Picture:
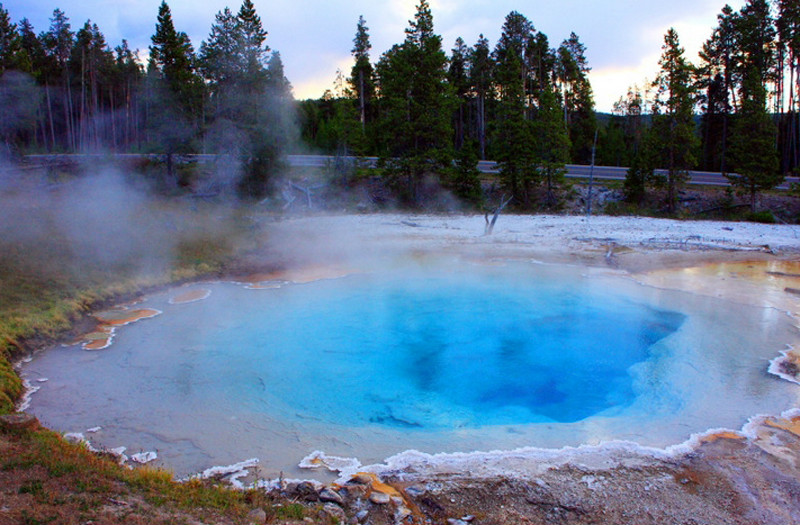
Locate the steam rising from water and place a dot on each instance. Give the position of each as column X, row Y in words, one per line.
column 207, row 383
column 101, row 221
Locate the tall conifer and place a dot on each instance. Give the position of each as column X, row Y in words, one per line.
column 673, row 116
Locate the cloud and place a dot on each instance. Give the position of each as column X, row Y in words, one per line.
column 314, row 36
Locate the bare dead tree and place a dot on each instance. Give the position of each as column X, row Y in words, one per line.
column 496, row 213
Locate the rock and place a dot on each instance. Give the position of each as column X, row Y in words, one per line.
column 379, row 498
column 415, row 491
column 401, row 513
column 257, row 516
column 361, row 478
column 334, row 511
column 362, row 515
column 144, row 457
column 355, row 491
column 18, row 422
column 306, row 491
column 330, row 495
column 453, row 521
column 76, row 438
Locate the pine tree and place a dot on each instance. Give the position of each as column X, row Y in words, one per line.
column 481, row 69
column 518, row 33
column 172, row 55
column 636, row 150
column 512, row 137
column 552, row 145
column 717, row 76
column 276, row 77
column 756, row 34
column 416, row 106
column 789, row 31
column 642, row 168
column 91, row 62
column 361, row 76
column 175, row 91
column 572, row 72
column 217, row 59
column 266, row 119
column 58, row 42
column 9, row 42
column 753, row 149
column 128, row 80
column 253, row 53
column 466, row 179
column 513, row 134
column 31, row 57
column 222, row 63
column 540, row 62
column 673, row 116
column 458, row 78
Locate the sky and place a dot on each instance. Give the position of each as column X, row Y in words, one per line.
column 314, row 37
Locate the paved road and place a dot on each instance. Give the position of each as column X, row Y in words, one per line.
column 485, row 166
column 574, row 171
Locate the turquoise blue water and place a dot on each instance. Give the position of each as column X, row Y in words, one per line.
column 457, row 357
column 437, row 351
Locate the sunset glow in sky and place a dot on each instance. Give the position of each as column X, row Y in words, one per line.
column 623, row 37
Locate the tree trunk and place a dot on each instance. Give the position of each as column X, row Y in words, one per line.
column 82, row 131
column 50, row 115
column 361, row 101
column 482, row 125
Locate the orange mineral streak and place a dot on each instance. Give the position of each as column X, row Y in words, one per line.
column 762, row 283
column 99, row 339
column 793, row 357
column 191, row 296
column 767, row 284
column 397, row 494
column 790, row 425
column 123, row 317
column 303, row 275
column 711, row 438
column 379, row 486
column 109, row 320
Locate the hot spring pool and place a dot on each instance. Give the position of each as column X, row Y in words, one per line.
column 457, row 357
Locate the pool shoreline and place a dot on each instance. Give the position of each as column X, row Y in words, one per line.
column 597, row 251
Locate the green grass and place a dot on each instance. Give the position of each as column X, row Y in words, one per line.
column 34, row 487
column 76, row 474
column 290, row 511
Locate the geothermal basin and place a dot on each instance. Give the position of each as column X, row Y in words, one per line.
column 438, row 353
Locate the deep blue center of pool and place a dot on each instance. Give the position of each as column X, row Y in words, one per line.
column 436, row 351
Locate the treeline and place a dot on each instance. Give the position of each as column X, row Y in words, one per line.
column 746, row 89
column 68, row 91
column 429, row 115
column 530, row 107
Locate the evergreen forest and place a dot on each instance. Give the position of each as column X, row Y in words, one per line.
column 426, row 110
